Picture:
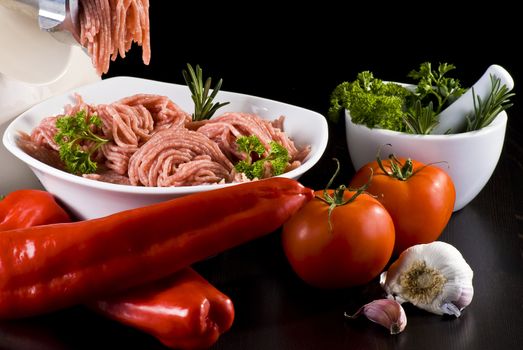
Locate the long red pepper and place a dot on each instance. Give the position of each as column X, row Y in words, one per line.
column 26, row 208
column 183, row 311
column 45, row 268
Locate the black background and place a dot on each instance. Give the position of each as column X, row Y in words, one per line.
column 298, row 53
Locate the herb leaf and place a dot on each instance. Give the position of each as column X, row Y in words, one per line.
column 421, row 120
column 434, row 86
column 250, row 144
column 204, row 108
column 371, row 102
column 486, row 111
column 253, row 166
column 77, row 142
column 278, row 157
column 377, row 104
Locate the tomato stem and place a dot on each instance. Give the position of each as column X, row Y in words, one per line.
column 398, row 170
column 337, row 199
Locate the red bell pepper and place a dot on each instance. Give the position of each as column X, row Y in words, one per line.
column 183, row 311
column 45, row 268
column 26, row 208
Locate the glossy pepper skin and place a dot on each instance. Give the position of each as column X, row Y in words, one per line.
column 45, row 268
column 26, row 208
column 183, row 311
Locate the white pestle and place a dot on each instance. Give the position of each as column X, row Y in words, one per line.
column 454, row 117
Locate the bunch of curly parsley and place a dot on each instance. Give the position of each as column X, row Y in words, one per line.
column 78, row 142
column 371, row 102
column 253, row 165
column 376, row 104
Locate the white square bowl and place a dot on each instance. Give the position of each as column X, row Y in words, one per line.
column 90, row 199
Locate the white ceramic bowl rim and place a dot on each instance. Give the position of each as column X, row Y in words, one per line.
column 9, row 140
column 496, row 123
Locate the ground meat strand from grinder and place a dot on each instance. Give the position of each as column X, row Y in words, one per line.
column 200, row 171
column 167, row 114
column 109, row 176
column 44, row 133
column 132, row 121
column 131, row 124
column 124, row 125
column 159, row 161
column 109, row 27
column 44, row 154
column 79, row 105
column 117, row 158
column 127, row 123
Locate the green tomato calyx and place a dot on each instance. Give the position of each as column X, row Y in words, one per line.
column 337, row 198
column 398, row 170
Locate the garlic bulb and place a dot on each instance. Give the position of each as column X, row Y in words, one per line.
column 433, row 277
column 386, row 312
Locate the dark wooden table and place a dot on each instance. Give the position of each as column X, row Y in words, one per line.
column 274, row 309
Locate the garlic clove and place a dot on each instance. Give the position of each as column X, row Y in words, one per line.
column 386, row 312
column 434, row 277
column 451, row 309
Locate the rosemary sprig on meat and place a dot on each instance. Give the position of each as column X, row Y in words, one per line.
column 204, row 107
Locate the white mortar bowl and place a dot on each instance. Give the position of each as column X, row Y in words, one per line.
column 469, row 158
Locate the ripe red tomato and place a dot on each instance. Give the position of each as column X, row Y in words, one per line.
column 420, row 205
column 352, row 251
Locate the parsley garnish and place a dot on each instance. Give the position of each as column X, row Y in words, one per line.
column 434, row 86
column 78, row 142
column 253, row 165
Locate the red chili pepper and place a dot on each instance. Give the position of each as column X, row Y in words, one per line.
column 45, row 268
column 183, row 311
column 26, row 208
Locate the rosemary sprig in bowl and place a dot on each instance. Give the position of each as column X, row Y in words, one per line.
column 204, row 107
column 485, row 111
column 419, row 119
